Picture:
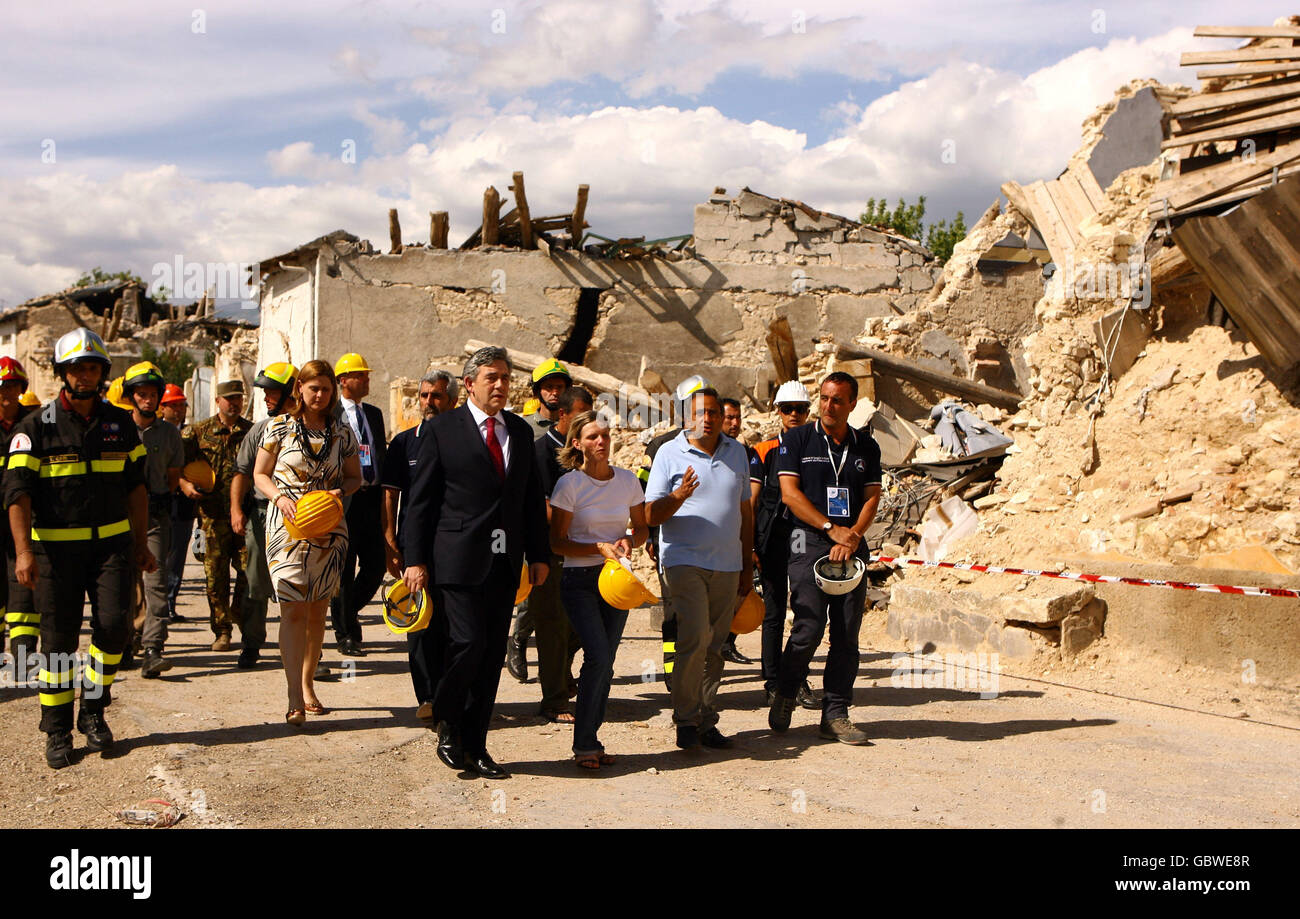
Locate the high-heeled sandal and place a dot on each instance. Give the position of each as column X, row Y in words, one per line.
column 296, row 716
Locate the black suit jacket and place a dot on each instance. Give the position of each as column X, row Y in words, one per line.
column 461, row 514
column 379, row 449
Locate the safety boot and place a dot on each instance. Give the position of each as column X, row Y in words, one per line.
column 92, row 724
column 58, row 749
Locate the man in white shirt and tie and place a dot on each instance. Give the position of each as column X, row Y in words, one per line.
column 363, row 567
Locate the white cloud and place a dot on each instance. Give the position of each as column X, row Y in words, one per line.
column 647, row 167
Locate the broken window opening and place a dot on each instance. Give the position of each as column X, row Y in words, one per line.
column 584, row 324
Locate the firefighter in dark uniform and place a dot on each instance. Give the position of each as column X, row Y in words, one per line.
column 830, row 482
column 78, row 509
column 16, row 600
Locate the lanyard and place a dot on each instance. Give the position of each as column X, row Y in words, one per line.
column 844, row 457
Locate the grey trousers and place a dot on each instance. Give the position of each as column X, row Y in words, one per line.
column 703, row 603
column 252, row 632
column 156, row 610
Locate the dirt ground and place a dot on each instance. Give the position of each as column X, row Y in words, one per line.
column 1108, row 741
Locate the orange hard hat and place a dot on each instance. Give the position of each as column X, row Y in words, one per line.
column 172, row 393
column 315, row 515
column 199, row 473
column 525, row 586
column 749, row 614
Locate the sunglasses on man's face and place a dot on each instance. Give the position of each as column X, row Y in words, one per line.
column 787, row 409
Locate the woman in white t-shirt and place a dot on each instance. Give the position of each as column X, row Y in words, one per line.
column 591, row 509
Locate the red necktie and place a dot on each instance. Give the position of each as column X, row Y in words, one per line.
column 494, row 447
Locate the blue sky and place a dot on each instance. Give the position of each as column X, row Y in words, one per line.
column 218, row 134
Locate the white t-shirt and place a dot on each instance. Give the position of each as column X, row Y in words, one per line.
column 600, row 509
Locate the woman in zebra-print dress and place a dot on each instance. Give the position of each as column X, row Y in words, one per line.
column 305, row 449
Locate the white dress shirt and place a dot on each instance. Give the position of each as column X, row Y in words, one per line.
column 503, row 437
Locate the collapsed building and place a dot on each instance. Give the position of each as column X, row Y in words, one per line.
column 1132, row 326
column 1156, row 344
column 616, row 308
column 121, row 313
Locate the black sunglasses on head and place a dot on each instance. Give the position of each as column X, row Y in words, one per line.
column 788, row 409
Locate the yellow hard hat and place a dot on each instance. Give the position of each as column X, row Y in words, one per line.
column 315, row 515
column 199, row 473
column 749, row 614
column 525, row 586
column 622, row 589
column 531, row 406
column 351, row 363
column 404, row 613
column 29, row 398
column 114, row 396
column 550, row 368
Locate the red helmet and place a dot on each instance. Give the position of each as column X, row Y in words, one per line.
column 11, row 369
column 172, row 393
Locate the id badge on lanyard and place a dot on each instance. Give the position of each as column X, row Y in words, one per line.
column 837, row 497
column 364, row 453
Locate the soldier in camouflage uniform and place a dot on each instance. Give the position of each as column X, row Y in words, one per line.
column 217, row 440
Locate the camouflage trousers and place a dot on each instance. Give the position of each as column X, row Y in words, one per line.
column 223, row 551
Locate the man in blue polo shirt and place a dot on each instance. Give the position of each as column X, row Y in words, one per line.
column 830, row 482
column 698, row 495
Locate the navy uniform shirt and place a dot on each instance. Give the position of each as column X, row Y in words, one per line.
column 399, row 466
column 811, row 455
column 547, row 448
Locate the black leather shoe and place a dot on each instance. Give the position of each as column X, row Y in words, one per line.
column 715, row 739
column 322, row 671
column 248, row 658
column 351, row 648
column 92, row 724
column 486, row 767
column 807, row 698
column 153, row 664
column 729, row 653
column 449, row 750
column 516, row 660
column 688, row 736
column 58, row 749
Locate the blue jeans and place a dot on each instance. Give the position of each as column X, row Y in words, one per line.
column 600, row 628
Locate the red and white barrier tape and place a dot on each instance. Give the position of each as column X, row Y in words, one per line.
column 1100, row 578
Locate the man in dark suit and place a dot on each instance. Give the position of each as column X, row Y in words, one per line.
column 477, row 509
column 363, row 566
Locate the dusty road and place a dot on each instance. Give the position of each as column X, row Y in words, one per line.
column 1108, row 742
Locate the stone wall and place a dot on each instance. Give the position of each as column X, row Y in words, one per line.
column 404, row 312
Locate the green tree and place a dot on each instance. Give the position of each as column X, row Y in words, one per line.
column 98, row 275
column 942, row 236
column 908, row 220
column 905, row 219
column 175, row 363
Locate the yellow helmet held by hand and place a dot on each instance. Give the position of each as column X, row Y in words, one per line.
column 404, row 613
column 315, row 515
column 351, row 363
column 620, row 588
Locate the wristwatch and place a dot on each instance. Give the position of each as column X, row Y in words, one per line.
column 826, row 527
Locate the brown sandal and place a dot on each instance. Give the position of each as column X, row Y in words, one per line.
column 608, row 759
column 296, row 716
column 559, row 717
column 315, row 708
column 587, row 760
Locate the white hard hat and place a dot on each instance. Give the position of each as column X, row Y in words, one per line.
column 691, row 384
column 791, row 392
column 835, row 578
